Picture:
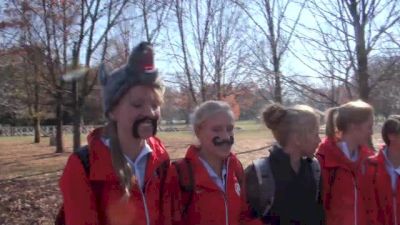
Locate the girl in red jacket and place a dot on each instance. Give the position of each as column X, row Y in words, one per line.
column 205, row 187
column 382, row 177
column 348, row 131
column 119, row 180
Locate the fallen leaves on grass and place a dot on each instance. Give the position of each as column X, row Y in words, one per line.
column 33, row 200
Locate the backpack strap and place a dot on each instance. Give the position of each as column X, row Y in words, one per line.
column 83, row 155
column 266, row 184
column 162, row 174
column 186, row 181
column 375, row 185
column 316, row 170
column 331, row 181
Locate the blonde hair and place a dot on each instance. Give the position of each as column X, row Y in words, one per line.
column 119, row 162
column 283, row 121
column 207, row 109
column 159, row 89
column 390, row 126
column 339, row 118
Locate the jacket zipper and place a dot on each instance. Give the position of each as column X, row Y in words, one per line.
column 225, row 197
column 395, row 208
column 226, row 210
column 146, row 210
column 355, row 200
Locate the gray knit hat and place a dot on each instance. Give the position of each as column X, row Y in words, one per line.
column 139, row 70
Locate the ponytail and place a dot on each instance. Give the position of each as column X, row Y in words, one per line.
column 330, row 129
column 120, row 164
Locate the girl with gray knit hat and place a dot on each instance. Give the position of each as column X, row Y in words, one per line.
column 118, row 178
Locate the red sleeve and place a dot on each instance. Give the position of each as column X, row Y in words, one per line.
column 172, row 198
column 79, row 200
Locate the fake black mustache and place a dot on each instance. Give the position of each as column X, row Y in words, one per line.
column 217, row 141
column 136, row 124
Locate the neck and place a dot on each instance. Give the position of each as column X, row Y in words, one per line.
column 394, row 155
column 215, row 162
column 294, row 156
column 130, row 146
column 351, row 144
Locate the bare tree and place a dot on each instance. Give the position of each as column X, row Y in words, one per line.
column 226, row 52
column 154, row 14
column 93, row 14
column 29, row 57
column 46, row 24
column 385, row 80
column 210, row 50
column 277, row 27
column 196, row 18
column 146, row 19
column 351, row 31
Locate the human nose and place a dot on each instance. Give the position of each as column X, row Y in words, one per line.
column 149, row 111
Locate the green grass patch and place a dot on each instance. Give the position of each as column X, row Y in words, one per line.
column 249, row 125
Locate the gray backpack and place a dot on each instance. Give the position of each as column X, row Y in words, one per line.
column 262, row 201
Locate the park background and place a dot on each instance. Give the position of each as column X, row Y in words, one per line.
column 247, row 52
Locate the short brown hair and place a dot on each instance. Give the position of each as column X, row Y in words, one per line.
column 390, row 126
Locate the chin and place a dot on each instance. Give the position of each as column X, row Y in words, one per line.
column 222, row 157
column 310, row 154
column 224, row 153
column 145, row 135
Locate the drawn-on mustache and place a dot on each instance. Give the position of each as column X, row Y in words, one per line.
column 217, row 141
column 136, row 124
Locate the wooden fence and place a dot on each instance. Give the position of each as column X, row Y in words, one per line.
column 67, row 129
column 44, row 130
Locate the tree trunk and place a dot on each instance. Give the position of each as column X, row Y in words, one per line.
column 59, row 125
column 362, row 75
column 219, row 90
column 278, row 88
column 278, row 85
column 75, row 101
column 77, row 118
column 36, row 122
column 36, row 118
column 361, row 54
column 179, row 16
column 362, row 61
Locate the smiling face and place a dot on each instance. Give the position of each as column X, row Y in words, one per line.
column 215, row 135
column 138, row 112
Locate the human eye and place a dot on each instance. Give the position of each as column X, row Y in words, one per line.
column 217, row 129
column 136, row 104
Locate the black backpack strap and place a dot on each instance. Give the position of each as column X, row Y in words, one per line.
column 186, row 181
column 331, row 181
column 316, row 170
column 83, row 155
column 162, row 174
column 260, row 185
